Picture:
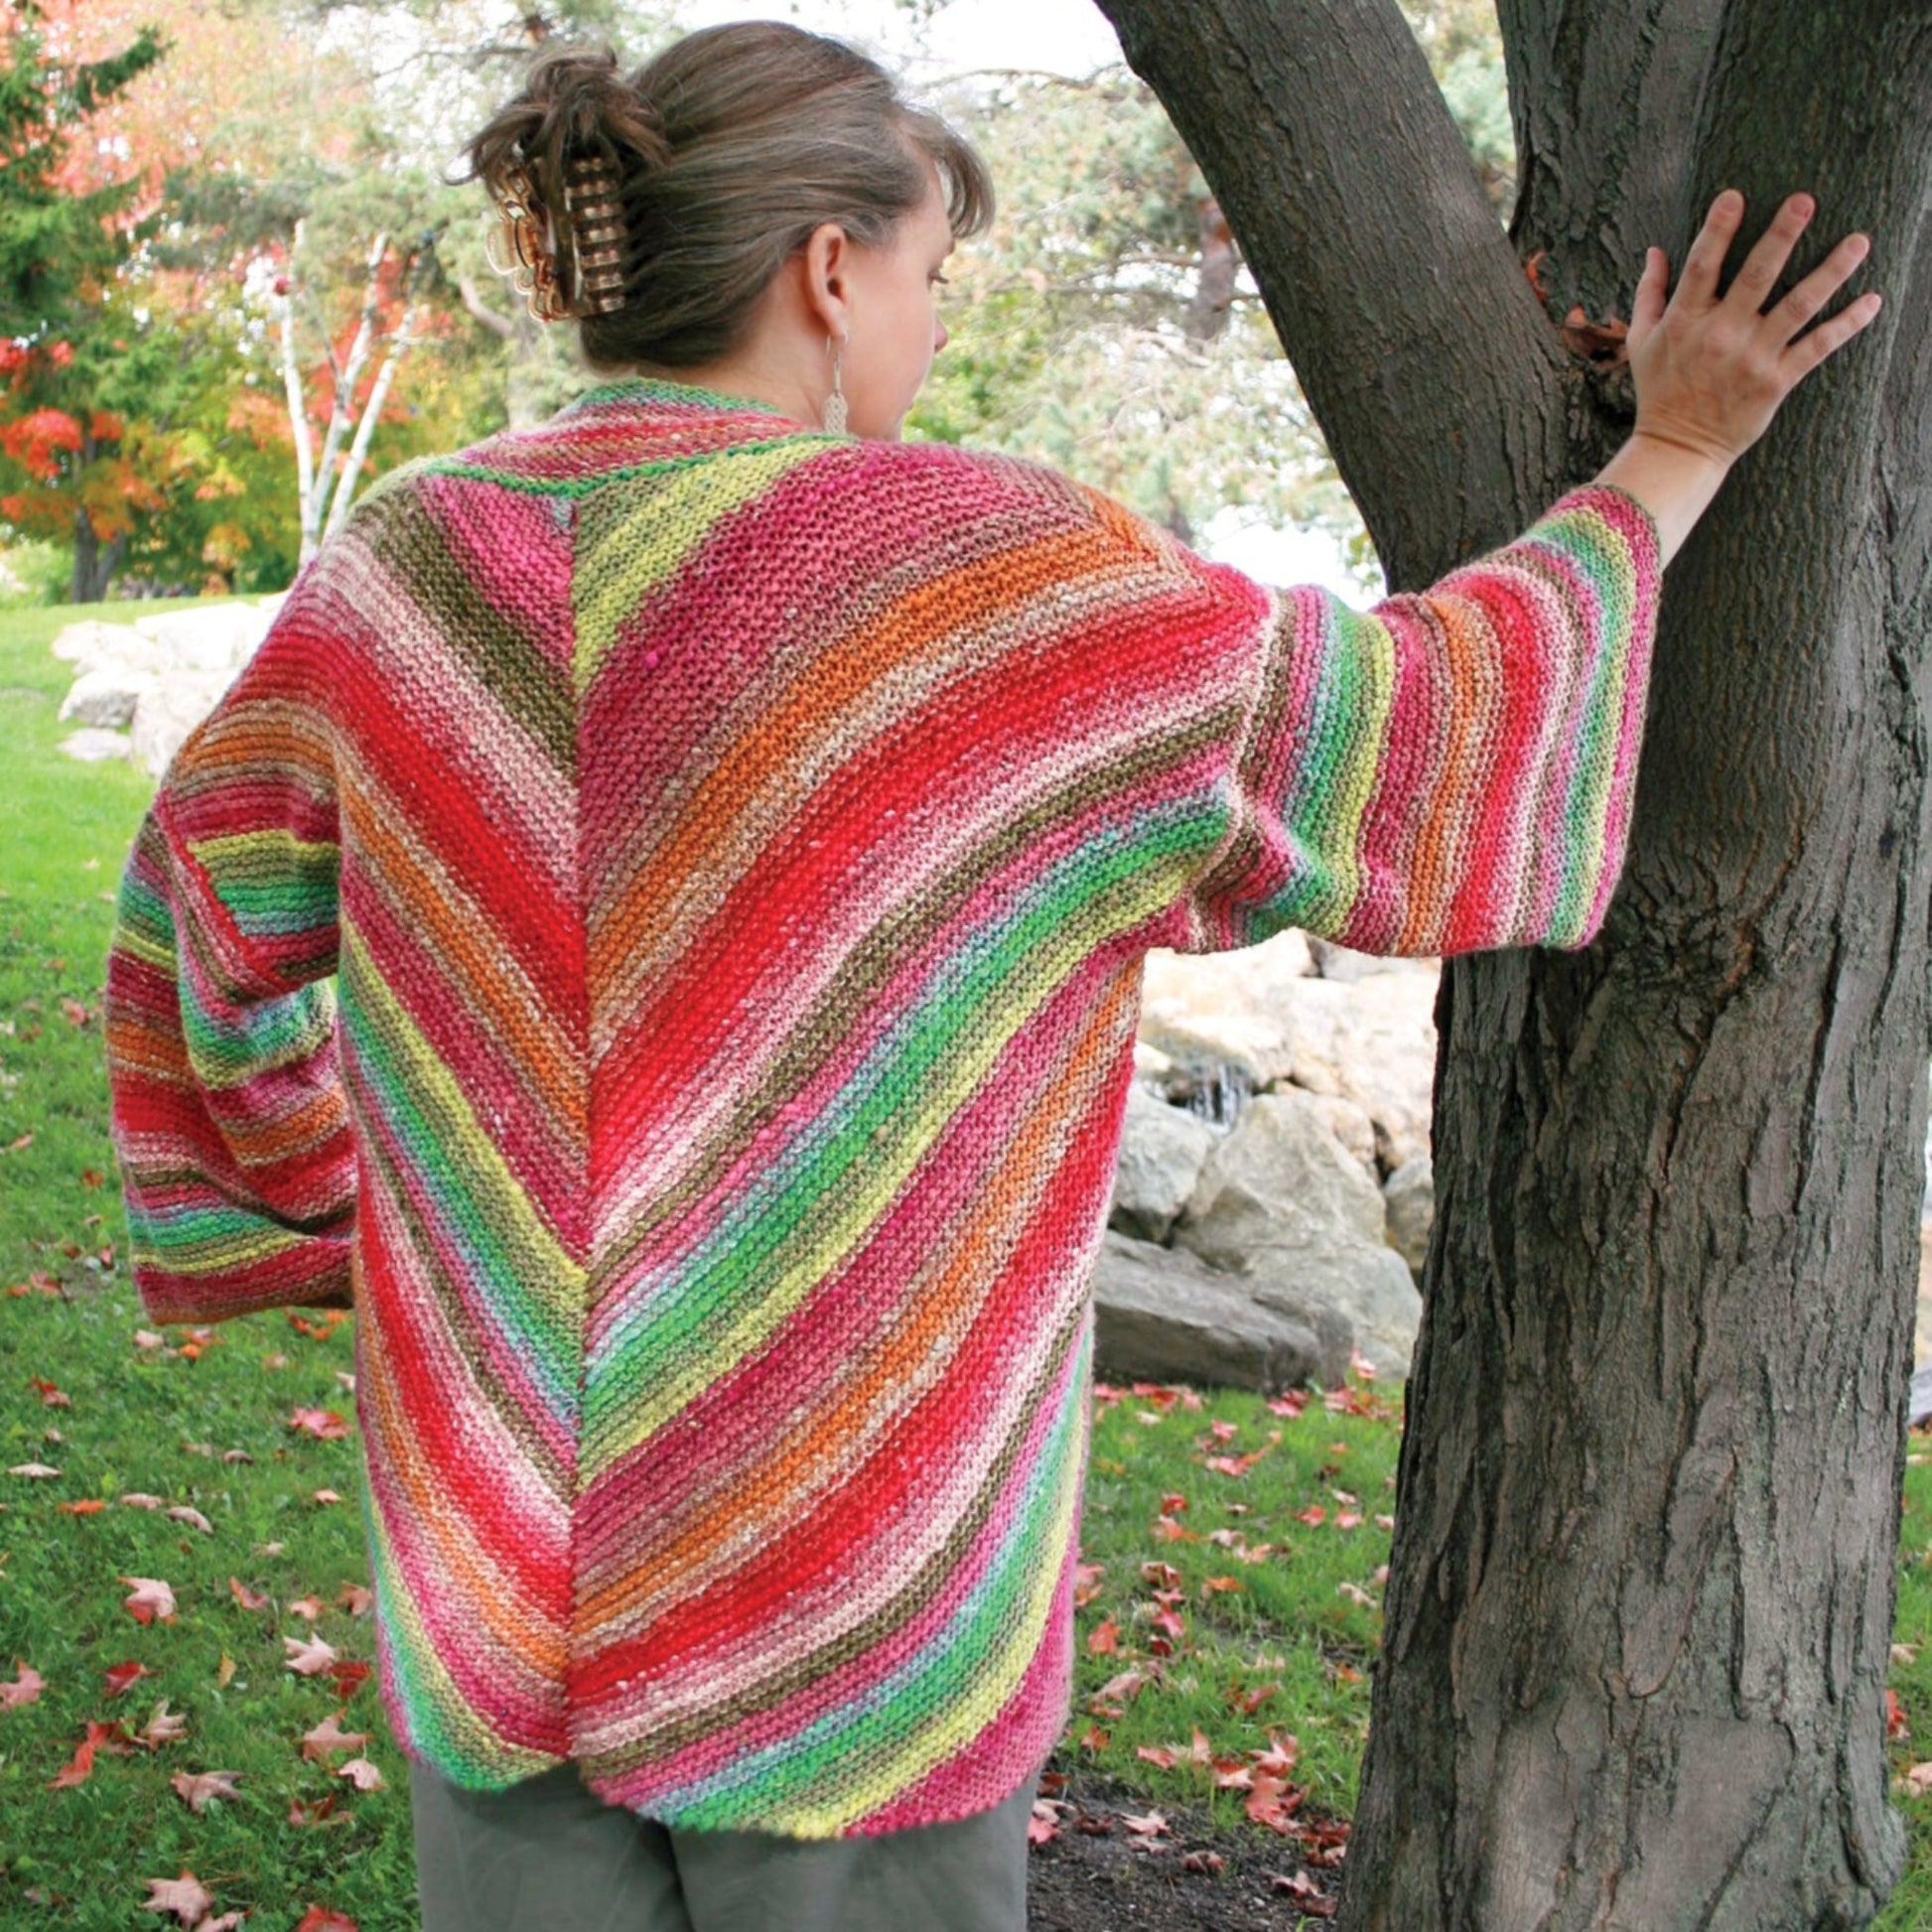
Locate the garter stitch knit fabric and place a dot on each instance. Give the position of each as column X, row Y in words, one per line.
column 657, row 929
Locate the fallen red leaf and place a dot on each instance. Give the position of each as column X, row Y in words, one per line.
column 163, row 1728
column 329, row 1736
column 1306, row 1893
column 326, row 1810
column 99, row 1737
column 310, row 1656
column 350, row 1674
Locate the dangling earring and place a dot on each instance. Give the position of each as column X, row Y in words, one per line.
column 834, row 411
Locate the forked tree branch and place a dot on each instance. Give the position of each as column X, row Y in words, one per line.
column 1330, row 147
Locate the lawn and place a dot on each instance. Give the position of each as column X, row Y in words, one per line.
column 228, row 1726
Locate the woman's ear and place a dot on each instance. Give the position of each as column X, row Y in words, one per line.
column 828, row 257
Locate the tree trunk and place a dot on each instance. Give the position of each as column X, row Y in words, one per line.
column 1639, row 1612
column 94, row 563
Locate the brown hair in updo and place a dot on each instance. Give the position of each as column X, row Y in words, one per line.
column 729, row 148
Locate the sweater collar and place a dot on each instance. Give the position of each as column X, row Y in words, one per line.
column 645, row 389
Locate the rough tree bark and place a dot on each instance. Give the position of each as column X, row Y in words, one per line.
column 1640, row 1606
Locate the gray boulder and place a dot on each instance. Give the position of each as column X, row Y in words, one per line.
column 1369, row 1288
column 105, row 695
column 1284, row 1206
column 1161, row 1315
column 1410, row 1196
column 1352, row 1127
column 208, row 636
column 1225, row 1009
column 1280, row 1175
column 1371, row 1041
column 1159, row 1159
column 93, row 742
column 91, row 644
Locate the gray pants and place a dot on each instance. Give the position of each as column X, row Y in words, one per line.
column 549, row 1856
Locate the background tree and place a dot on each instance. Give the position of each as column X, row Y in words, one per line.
column 1640, row 1606
column 66, row 464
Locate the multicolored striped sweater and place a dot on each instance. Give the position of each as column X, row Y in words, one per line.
column 657, row 930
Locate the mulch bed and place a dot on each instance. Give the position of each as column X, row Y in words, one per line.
column 1097, row 1872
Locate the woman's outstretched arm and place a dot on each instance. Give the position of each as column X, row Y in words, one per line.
column 1454, row 770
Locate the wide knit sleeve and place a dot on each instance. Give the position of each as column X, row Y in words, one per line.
column 226, row 1110
column 1450, row 770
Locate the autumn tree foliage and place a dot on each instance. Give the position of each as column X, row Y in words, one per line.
column 1639, row 1613
column 69, row 466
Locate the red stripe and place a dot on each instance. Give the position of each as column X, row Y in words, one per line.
column 1493, row 866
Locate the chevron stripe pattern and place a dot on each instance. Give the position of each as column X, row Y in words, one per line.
column 656, row 928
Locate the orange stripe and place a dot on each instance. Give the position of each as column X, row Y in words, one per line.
column 1448, row 802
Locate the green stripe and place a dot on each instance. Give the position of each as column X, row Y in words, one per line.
column 206, row 1240
column 442, row 1727
column 623, row 473
column 1607, row 562
column 257, row 1035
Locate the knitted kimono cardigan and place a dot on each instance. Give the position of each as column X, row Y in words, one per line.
column 657, row 929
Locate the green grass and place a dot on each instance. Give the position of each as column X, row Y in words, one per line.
column 1258, row 1652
